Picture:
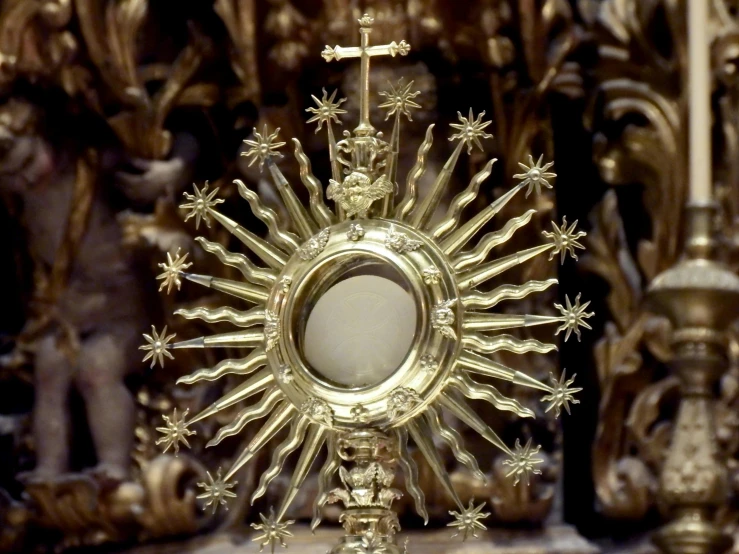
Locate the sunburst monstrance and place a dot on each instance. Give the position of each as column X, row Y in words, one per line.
column 366, row 415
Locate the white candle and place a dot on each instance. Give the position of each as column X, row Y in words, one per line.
column 699, row 107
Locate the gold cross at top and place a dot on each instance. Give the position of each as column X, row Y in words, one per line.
column 365, row 52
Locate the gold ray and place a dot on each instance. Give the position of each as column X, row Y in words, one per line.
column 462, row 411
column 256, row 383
column 483, row 272
column 245, row 291
column 321, row 213
column 329, row 469
column 410, row 471
column 239, row 318
column 454, row 242
column 486, row 300
column 488, row 393
column 491, row 240
column 415, row 174
column 284, row 239
column 280, row 454
column 425, row 211
column 421, row 434
column 271, row 397
column 242, row 366
column 460, row 202
column 477, row 363
column 391, row 169
column 490, row 345
column 335, row 166
column 497, row 322
column 235, row 339
column 252, row 273
column 270, row 255
column 279, row 418
column 454, row 440
column 313, row 443
column 304, row 225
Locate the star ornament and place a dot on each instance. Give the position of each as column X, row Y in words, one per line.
column 573, row 317
column 470, row 130
column 468, row 521
column 263, row 146
column 175, row 432
column 565, row 240
column 172, row 270
column 536, row 175
column 157, row 346
column 400, row 99
column 273, row 532
column 523, row 462
column 216, row 491
column 200, row 204
column 326, row 111
column 561, row 395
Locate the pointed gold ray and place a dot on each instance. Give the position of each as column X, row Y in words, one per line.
column 391, row 169
column 489, row 345
column 284, row 239
column 335, row 166
column 453, row 402
column 321, row 213
column 486, row 300
column 304, row 225
column 488, row 393
column 280, row 454
column 454, row 242
column 329, row 469
column 256, row 383
column 313, row 443
column 243, row 366
column 460, row 202
column 454, row 440
column 488, row 242
column 279, row 418
column 245, row 291
column 236, row 339
column 252, row 273
column 420, row 217
column 239, row 318
column 483, row 272
column 271, row 397
column 421, row 433
column 410, row 471
column 415, row 174
column 269, row 254
column 477, row 363
column 483, row 321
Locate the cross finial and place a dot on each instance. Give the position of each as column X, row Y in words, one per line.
column 365, row 52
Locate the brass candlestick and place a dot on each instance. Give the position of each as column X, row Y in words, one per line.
column 701, row 298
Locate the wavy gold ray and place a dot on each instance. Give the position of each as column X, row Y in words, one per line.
column 477, row 363
column 245, row 291
column 279, row 455
column 256, row 383
column 489, row 345
column 410, row 471
column 284, row 239
column 486, row 300
column 303, row 223
column 239, row 318
column 329, row 469
column 243, row 366
column 460, row 202
column 321, row 213
column 411, row 188
column 279, row 418
column 421, row 433
column 271, row 397
column 454, row 242
column 269, row 254
column 480, row 252
column 454, row 403
column 313, row 443
column 420, row 217
column 454, row 440
column 252, row 273
column 237, row 339
column 488, row 393
column 482, row 321
column 480, row 274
